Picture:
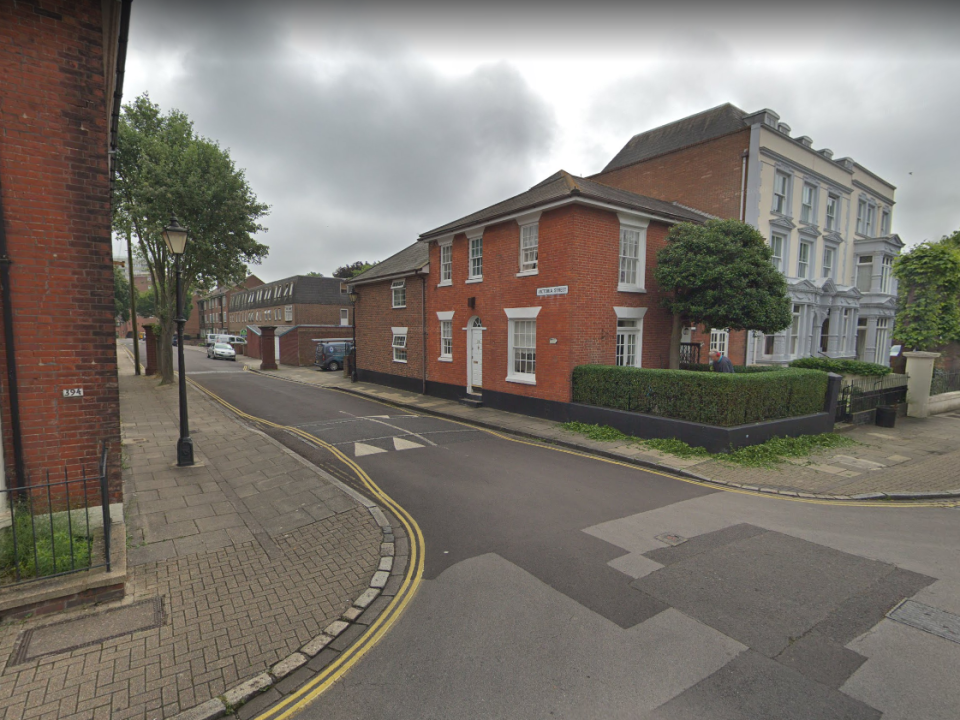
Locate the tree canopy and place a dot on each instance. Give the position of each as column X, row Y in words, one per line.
column 720, row 275
column 928, row 313
column 121, row 293
column 165, row 168
column 345, row 272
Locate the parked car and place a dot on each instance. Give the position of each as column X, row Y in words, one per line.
column 220, row 350
column 330, row 355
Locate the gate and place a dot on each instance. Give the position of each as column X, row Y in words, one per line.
column 864, row 394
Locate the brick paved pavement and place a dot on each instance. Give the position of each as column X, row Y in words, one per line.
column 916, row 456
column 252, row 552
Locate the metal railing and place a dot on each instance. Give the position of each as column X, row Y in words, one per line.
column 870, row 393
column 46, row 529
column 944, row 382
column 689, row 353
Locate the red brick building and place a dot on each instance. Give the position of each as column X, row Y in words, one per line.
column 517, row 295
column 61, row 70
column 211, row 311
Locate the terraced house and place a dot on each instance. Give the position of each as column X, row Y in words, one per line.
column 828, row 221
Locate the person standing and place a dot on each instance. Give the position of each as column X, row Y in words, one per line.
column 720, row 362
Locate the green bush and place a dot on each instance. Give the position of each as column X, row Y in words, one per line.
column 710, row 398
column 742, row 369
column 843, row 367
column 47, row 553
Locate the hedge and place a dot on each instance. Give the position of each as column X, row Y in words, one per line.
column 743, row 369
column 723, row 399
column 842, row 367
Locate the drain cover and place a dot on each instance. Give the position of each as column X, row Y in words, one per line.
column 671, row 538
column 926, row 618
column 88, row 630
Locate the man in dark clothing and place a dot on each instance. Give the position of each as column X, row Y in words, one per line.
column 720, row 362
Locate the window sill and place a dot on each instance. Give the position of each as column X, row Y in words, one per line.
column 630, row 288
column 445, row 359
column 528, row 273
column 399, row 307
column 445, row 283
column 522, row 379
column 474, row 280
column 400, row 361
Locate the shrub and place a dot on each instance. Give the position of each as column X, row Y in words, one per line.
column 843, row 367
column 743, row 369
column 710, row 398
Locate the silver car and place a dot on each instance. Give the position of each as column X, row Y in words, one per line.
column 219, row 351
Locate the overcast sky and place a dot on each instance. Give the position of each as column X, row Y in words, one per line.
column 364, row 126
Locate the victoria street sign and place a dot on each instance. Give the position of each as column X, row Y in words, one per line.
column 556, row 290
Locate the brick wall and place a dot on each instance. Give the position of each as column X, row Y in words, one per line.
column 578, row 247
column 376, row 317
column 56, row 200
column 297, row 346
column 705, row 176
column 253, row 344
column 321, row 314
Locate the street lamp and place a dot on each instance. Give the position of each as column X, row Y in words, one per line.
column 175, row 236
column 354, row 296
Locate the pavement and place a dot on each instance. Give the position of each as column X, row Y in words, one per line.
column 916, row 459
column 253, row 569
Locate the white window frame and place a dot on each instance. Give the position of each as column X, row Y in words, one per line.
column 529, row 245
column 344, row 317
column 515, row 315
column 630, row 314
column 781, row 200
column 778, row 259
column 885, row 221
column 808, row 270
column 861, row 216
column 862, row 265
column 811, row 207
column 796, row 314
column 288, row 313
column 886, row 274
column 845, row 330
column 871, row 220
column 828, row 268
column 399, row 344
column 401, row 285
column 446, row 263
column 446, row 323
column 832, row 222
column 882, row 341
column 719, row 340
column 632, row 224
column 475, row 257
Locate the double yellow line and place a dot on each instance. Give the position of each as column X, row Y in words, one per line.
column 411, row 581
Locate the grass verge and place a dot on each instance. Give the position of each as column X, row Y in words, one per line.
column 772, row 452
column 43, row 552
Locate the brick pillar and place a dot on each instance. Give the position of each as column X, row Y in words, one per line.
column 268, row 347
column 151, row 341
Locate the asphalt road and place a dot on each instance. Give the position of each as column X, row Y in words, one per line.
column 559, row 586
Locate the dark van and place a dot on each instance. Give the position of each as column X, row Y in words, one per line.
column 330, row 354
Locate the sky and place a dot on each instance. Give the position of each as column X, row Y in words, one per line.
column 364, row 125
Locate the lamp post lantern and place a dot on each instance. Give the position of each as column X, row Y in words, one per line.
column 354, row 296
column 175, row 236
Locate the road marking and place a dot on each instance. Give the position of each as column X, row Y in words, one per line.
column 401, row 444
column 361, row 449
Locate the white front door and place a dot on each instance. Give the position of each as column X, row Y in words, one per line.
column 475, row 356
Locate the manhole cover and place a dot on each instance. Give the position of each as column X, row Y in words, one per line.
column 671, row 538
column 88, row 630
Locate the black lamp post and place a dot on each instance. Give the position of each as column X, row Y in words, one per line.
column 175, row 236
column 354, row 296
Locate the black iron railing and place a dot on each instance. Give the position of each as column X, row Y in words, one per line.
column 869, row 393
column 944, row 382
column 46, row 528
column 689, row 353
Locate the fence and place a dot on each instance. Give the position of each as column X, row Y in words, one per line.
column 46, row 529
column 868, row 393
column 944, row 382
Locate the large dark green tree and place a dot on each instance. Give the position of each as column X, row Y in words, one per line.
column 345, row 272
column 165, row 168
column 720, row 275
column 928, row 278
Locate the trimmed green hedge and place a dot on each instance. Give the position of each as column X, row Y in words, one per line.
column 842, row 367
column 742, row 369
column 710, row 398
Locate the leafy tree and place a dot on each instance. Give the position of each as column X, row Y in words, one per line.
column 928, row 313
column 146, row 304
column 314, row 274
column 165, row 168
column 720, row 275
column 121, row 293
column 346, row 272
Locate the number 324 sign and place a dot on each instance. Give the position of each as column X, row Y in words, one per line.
column 73, row 392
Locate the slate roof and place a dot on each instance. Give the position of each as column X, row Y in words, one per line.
column 563, row 185
column 404, row 262
column 306, row 291
column 721, row 120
